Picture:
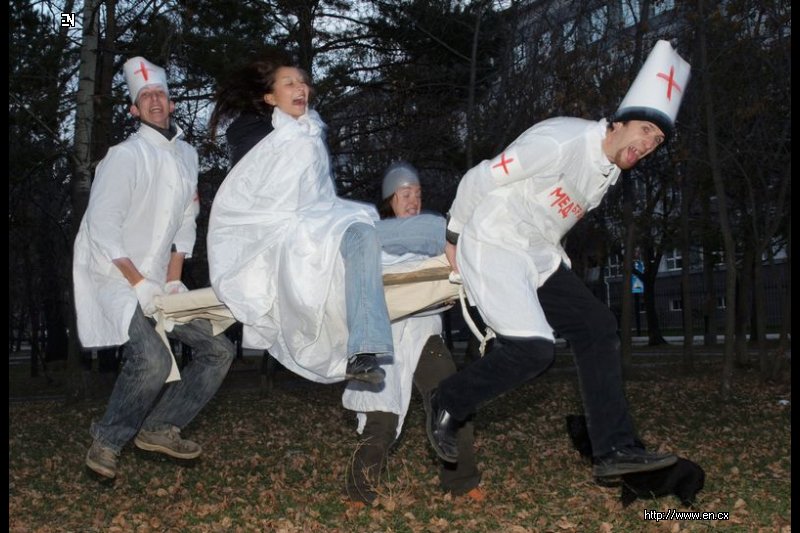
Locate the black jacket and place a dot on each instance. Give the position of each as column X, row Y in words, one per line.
column 245, row 132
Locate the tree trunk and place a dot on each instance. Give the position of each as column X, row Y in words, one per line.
column 33, row 313
column 473, row 74
column 722, row 204
column 687, row 359
column 627, row 216
column 779, row 355
column 82, row 179
column 103, row 100
column 759, row 333
column 709, row 280
column 743, row 290
column 626, row 311
column 649, row 278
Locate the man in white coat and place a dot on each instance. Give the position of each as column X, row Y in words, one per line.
column 504, row 234
column 138, row 228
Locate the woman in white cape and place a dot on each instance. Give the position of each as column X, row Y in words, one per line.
column 296, row 264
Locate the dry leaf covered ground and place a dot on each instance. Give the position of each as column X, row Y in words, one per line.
column 278, row 463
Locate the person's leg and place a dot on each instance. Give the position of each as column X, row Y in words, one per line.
column 591, row 330
column 369, row 459
column 510, row 362
column 200, row 379
column 435, row 364
column 370, row 332
column 421, row 234
column 146, row 365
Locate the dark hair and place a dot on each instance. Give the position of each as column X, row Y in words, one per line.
column 385, row 208
column 244, row 91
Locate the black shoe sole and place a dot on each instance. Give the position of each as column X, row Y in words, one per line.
column 373, row 376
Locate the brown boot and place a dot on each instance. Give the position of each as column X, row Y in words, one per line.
column 369, row 459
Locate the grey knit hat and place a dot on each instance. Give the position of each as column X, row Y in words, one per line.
column 399, row 174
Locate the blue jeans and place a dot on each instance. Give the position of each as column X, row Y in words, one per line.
column 422, row 234
column 367, row 317
column 147, row 363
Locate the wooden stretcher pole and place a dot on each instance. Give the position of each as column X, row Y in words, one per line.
column 428, row 274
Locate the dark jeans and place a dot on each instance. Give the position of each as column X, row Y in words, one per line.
column 137, row 400
column 591, row 330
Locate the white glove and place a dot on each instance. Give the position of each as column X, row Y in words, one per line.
column 146, row 292
column 175, row 287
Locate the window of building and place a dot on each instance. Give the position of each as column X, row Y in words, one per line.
column 544, row 44
column 673, row 260
column 614, row 266
column 676, row 304
column 520, row 56
column 721, row 302
column 598, row 20
column 662, row 6
column 630, row 13
column 569, row 37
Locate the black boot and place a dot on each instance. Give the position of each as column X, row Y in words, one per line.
column 442, row 430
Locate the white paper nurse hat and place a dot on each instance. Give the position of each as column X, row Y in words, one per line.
column 140, row 73
column 658, row 89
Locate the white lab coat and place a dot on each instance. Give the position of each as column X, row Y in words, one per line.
column 409, row 335
column 512, row 212
column 273, row 249
column 143, row 200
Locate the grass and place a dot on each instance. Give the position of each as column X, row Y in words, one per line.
column 278, row 463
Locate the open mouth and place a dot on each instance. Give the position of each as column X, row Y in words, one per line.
column 633, row 154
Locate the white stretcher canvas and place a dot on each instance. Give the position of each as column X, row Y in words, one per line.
column 410, row 288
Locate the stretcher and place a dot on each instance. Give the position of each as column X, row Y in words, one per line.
column 411, row 289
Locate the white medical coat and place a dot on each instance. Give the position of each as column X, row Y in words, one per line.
column 143, row 200
column 273, row 249
column 512, row 212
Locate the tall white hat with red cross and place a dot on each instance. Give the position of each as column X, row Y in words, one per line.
column 140, row 73
column 658, row 89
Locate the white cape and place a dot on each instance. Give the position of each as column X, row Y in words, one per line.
column 273, row 249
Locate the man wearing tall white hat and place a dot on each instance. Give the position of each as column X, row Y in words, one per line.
column 504, row 238
column 138, row 228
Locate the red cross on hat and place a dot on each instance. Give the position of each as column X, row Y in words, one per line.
column 141, row 73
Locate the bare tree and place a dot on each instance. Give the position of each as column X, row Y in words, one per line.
column 722, row 204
